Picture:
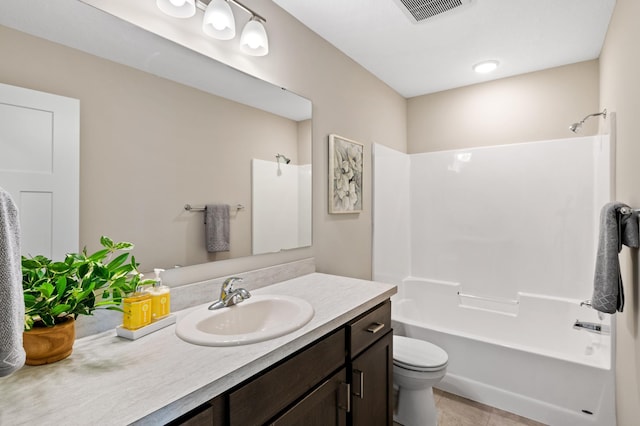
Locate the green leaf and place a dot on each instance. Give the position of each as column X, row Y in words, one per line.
column 106, row 303
column 46, row 289
column 30, row 263
column 84, row 294
column 57, row 310
column 99, row 255
column 48, row 320
column 106, row 242
column 117, row 261
column 29, row 299
column 59, row 267
column 61, row 286
column 124, row 246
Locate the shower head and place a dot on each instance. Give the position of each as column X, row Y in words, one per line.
column 285, row 159
column 575, row 127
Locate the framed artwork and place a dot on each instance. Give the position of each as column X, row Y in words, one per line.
column 346, row 158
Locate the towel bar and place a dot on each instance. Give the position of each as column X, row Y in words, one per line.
column 627, row 210
column 188, row 208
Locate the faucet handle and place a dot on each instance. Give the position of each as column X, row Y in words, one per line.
column 229, row 282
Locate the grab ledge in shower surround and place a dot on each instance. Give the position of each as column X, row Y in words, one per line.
column 497, row 305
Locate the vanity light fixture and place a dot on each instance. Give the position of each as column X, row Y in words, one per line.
column 486, row 66
column 219, row 22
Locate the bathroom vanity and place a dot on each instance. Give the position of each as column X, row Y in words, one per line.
column 337, row 369
column 342, row 378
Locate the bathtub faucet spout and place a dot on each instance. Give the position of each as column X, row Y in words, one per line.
column 592, row 327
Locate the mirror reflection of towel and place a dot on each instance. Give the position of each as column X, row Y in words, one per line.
column 616, row 229
column 216, row 225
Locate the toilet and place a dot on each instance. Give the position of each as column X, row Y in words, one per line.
column 417, row 367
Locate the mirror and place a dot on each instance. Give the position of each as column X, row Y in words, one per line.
column 161, row 126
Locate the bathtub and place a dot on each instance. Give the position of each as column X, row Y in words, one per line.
column 521, row 355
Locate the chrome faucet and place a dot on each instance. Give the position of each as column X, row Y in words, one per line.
column 592, row 327
column 229, row 295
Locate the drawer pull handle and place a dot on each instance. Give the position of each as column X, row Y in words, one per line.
column 375, row 327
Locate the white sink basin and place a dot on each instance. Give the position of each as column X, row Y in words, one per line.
column 259, row 318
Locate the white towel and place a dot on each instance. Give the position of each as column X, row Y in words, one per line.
column 12, row 354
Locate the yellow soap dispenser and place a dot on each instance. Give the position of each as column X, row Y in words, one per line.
column 160, row 298
column 137, row 310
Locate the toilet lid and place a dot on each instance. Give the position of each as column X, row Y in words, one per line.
column 418, row 355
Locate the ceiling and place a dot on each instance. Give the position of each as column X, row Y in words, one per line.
column 438, row 53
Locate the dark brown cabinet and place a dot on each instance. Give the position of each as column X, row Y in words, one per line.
column 343, row 378
column 371, row 367
column 321, row 407
column 262, row 398
column 372, row 384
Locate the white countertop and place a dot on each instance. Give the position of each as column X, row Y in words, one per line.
column 109, row 380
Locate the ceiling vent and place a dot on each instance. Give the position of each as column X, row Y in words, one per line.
column 421, row 10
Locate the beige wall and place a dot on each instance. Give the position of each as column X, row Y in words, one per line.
column 620, row 92
column 148, row 146
column 305, row 142
column 529, row 107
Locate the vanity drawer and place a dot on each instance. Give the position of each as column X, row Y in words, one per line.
column 370, row 327
column 268, row 394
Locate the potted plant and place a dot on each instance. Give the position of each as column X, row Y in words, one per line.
column 55, row 293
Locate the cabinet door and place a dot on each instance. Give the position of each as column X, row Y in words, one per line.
column 372, row 384
column 268, row 394
column 325, row 406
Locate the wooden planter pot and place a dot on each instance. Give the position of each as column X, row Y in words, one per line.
column 45, row 345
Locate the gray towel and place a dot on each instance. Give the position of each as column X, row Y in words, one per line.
column 616, row 229
column 216, row 224
column 12, row 354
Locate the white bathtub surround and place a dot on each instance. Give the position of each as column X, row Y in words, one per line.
column 153, row 380
column 502, row 244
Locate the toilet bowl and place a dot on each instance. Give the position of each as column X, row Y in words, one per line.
column 417, row 367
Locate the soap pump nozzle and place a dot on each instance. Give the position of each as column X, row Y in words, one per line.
column 158, row 282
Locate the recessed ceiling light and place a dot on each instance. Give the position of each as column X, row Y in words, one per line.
column 486, row 66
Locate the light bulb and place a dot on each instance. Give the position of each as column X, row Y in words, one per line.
column 485, row 67
column 254, row 40
column 177, row 8
column 218, row 21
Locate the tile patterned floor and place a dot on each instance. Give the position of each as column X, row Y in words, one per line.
column 454, row 410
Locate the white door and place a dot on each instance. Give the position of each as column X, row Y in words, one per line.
column 39, row 167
